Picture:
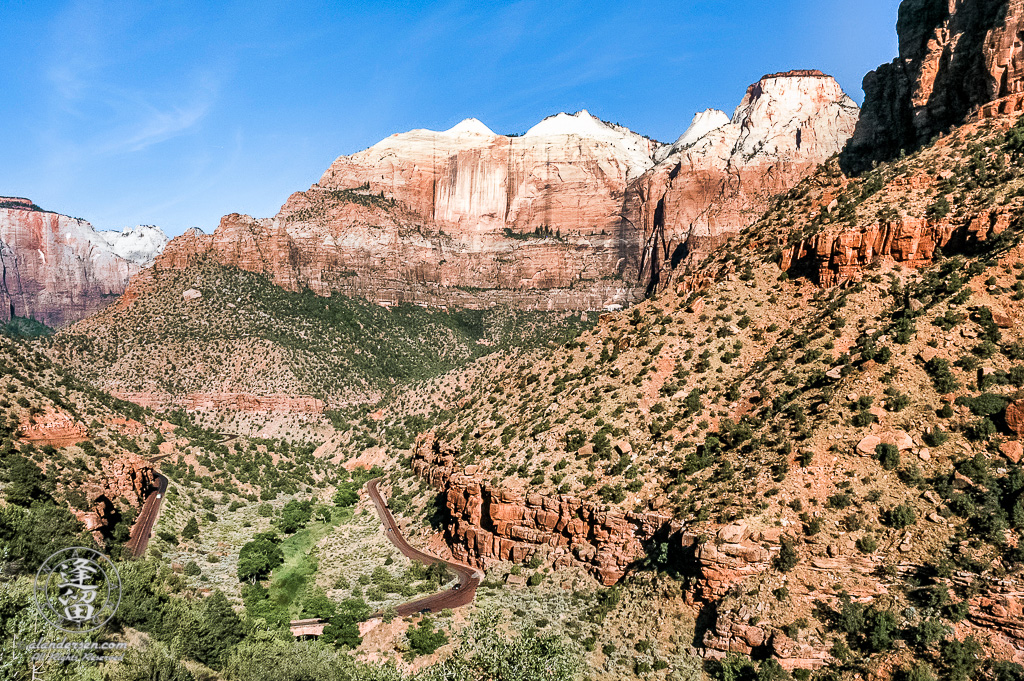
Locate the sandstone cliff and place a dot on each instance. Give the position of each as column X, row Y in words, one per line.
column 489, row 524
column 575, row 214
column 718, row 177
column 58, row 269
column 954, row 57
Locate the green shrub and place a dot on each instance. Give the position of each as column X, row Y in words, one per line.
column 919, row 672
column 942, row 376
column 901, row 516
column 425, row 639
column 881, row 628
column 888, row 455
column 787, row 557
column 1007, row 671
column 839, row 500
column 926, row 633
column 985, row 404
column 347, row 495
column 295, row 515
column 191, row 529
column 867, row 544
column 259, row 557
column 962, row 659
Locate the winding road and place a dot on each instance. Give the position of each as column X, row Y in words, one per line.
column 143, row 527
column 469, row 578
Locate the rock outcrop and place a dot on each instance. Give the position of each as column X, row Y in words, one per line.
column 841, row 253
column 256, row 404
column 954, row 58
column 717, row 566
column 490, row 525
column 121, row 482
column 53, row 427
column 718, row 177
column 1001, row 611
column 57, row 269
column 575, row 214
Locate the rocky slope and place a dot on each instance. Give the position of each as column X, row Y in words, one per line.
column 58, row 269
column 575, row 214
column 491, row 524
column 954, row 58
column 826, row 422
column 214, row 338
column 89, row 443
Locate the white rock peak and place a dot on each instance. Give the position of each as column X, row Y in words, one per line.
column 140, row 244
column 703, row 123
column 470, row 126
column 580, row 123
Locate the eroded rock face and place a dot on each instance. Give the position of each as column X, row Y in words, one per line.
column 54, row 427
column 567, row 172
column 838, row 254
column 955, row 56
column 1001, row 611
column 57, row 269
column 719, row 565
column 125, row 479
column 576, row 214
column 257, row 404
column 709, row 187
column 490, row 525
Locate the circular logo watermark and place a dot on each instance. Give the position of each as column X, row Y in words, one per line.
column 77, row 590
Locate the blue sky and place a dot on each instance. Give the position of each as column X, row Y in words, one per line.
column 175, row 113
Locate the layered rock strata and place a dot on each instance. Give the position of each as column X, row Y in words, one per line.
column 257, row 404
column 575, row 214
column 58, row 269
column 840, row 254
column 490, row 525
column 126, row 479
column 718, row 177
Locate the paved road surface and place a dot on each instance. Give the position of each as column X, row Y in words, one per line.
column 469, row 578
column 143, row 527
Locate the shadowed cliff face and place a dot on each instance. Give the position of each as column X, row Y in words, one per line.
column 955, row 56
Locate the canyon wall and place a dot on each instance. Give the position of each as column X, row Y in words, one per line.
column 842, row 253
column 58, row 269
column 575, row 214
column 489, row 524
column 718, row 177
column 955, row 56
column 127, row 477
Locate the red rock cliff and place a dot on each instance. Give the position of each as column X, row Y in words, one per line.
column 489, row 524
column 55, row 268
column 718, row 177
column 575, row 214
column 954, row 57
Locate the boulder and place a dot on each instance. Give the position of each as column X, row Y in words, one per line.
column 1012, row 450
column 1015, row 416
column 1001, row 319
column 734, row 533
